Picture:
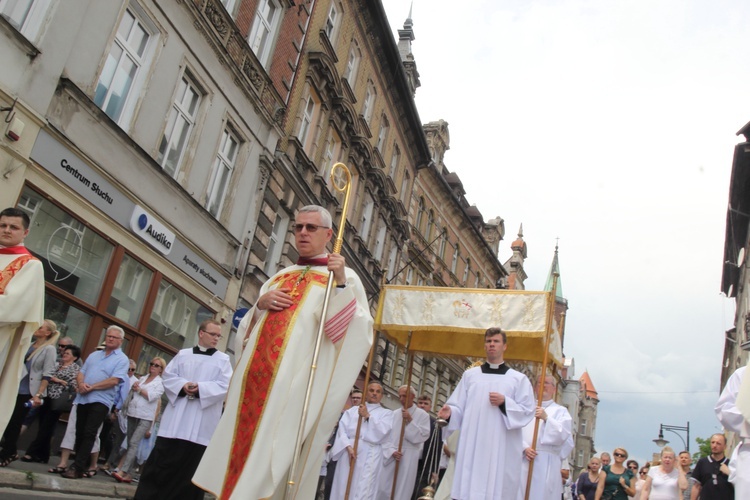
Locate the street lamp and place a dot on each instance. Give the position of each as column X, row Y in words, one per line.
column 661, row 442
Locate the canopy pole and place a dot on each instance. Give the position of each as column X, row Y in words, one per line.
column 410, row 364
column 545, row 360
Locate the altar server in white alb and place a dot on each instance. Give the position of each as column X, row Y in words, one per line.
column 374, row 431
column 195, row 383
column 253, row 448
column 554, row 443
column 21, row 304
column 733, row 411
column 416, row 432
column 491, row 405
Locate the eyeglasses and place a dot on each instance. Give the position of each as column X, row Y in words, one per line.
column 632, row 467
column 155, row 364
column 214, row 335
column 642, row 473
column 311, row 228
column 131, row 369
column 621, row 455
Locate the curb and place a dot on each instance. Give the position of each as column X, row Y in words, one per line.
column 30, row 480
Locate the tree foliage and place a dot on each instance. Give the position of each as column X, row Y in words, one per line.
column 704, row 448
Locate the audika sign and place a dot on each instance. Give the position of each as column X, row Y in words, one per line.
column 151, row 230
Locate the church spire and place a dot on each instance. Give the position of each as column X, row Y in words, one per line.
column 555, row 269
column 405, row 37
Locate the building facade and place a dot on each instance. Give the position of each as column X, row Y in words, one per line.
column 142, row 133
column 735, row 277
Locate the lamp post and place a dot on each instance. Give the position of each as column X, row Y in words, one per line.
column 661, row 442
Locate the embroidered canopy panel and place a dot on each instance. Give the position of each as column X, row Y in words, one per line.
column 452, row 321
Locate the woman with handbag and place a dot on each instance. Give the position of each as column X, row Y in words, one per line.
column 39, row 366
column 665, row 481
column 141, row 413
column 617, row 481
column 61, row 392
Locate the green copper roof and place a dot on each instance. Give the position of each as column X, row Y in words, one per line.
column 555, row 268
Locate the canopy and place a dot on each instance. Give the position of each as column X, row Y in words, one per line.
column 452, row 321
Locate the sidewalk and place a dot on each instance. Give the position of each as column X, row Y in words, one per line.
column 34, row 476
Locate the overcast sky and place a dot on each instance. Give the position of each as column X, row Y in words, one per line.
column 611, row 125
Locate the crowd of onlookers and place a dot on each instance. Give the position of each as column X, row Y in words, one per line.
column 669, row 478
column 47, row 394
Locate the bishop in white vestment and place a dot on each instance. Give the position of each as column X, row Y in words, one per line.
column 21, row 304
column 554, row 443
column 375, row 429
column 250, row 454
column 491, row 405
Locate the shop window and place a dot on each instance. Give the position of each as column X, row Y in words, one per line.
column 176, row 316
column 130, row 290
column 75, row 258
column 146, row 354
column 71, row 321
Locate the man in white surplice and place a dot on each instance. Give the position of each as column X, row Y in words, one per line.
column 734, row 414
column 195, row 383
column 376, row 426
column 491, row 405
column 416, row 432
column 554, row 443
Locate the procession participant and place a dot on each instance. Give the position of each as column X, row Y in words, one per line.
column 711, row 473
column 733, row 414
column 195, row 383
column 429, row 458
column 97, row 385
column 251, row 451
column 491, row 405
column 416, row 432
column 554, row 443
column 356, row 399
column 375, row 429
column 21, row 304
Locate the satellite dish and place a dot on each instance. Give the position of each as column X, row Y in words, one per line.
column 741, row 257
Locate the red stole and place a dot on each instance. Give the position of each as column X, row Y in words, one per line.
column 11, row 269
column 16, row 250
column 257, row 381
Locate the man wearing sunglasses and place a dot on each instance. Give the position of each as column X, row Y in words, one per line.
column 252, row 450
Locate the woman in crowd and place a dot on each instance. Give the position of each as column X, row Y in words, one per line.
column 142, row 409
column 40, row 364
column 618, row 481
column 61, row 383
column 589, row 480
column 665, row 481
column 639, row 482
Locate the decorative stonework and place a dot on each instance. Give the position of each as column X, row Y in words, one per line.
column 216, row 19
